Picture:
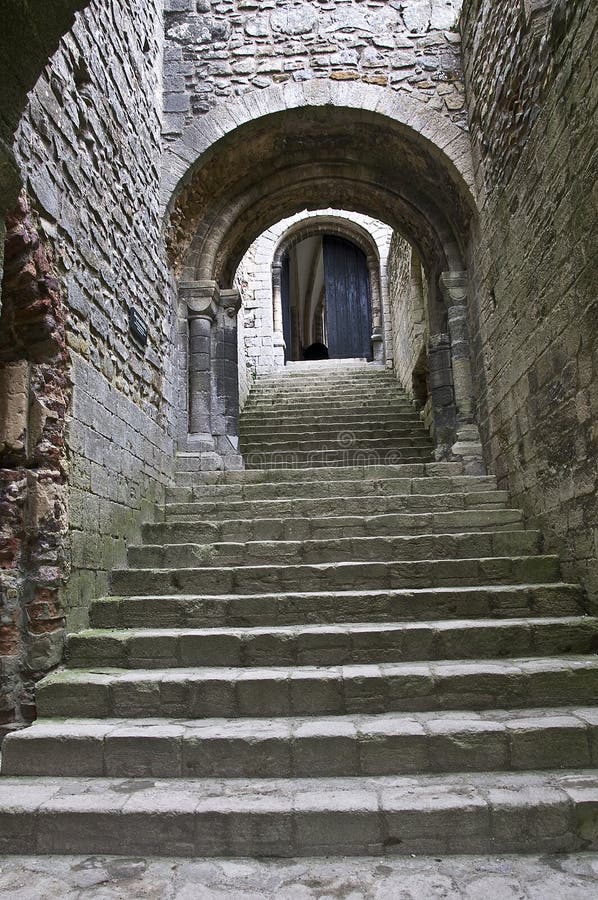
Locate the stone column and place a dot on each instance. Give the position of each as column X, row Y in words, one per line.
column 225, row 380
column 277, row 325
column 201, row 299
column 467, row 445
column 441, row 389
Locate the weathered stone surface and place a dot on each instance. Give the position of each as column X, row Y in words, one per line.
column 473, row 877
column 297, row 42
column 532, row 123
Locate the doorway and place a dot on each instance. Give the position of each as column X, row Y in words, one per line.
column 326, row 299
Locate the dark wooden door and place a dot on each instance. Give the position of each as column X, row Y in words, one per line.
column 348, row 301
column 285, row 300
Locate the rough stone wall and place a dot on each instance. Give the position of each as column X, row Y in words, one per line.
column 224, row 48
column 34, row 399
column 89, row 147
column 29, row 35
column 532, row 93
column 408, row 306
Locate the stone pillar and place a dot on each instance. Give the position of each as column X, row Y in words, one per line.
column 201, row 299
column 467, row 445
column 213, row 407
column 441, row 389
column 277, row 324
column 225, row 380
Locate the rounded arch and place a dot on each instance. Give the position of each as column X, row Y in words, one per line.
column 339, row 226
column 200, row 138
column 327, row 224
column 315, row 155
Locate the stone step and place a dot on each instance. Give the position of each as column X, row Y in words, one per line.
column 409, row 508
column 415, row 443
column 542, row 812
column 297, row 459
column 428, row 573
column 381, row 548
column 331, row 526
column 357, row 380
column 313, row 420
column 319, row 690
column 331, row 645
column 492, row 813
column 253, row 610
column 307, row 747
column 264, row 433
column 311, row 489
column 191, row 462
column 367, row 407
column 340, row 395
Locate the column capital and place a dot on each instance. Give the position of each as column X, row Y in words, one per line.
column 230, row 301
column 454, row 288
column 200, row 297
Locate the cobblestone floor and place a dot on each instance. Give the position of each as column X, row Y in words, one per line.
column 424, row 878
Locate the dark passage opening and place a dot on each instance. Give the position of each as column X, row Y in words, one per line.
column 326, row 299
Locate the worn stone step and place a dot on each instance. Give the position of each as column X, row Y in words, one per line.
column 298, row 459
column 344, row 398
column 269, row 384
column 342, row 419
column 345, row 441
column 418, row 605
column 330, row 526
column 368, row 408
column 299, row 487
column 407, row 507
column 320, row 690
column 362, row 388
column 312, row 489
column 332, row 435
column 307, row 747
column 381, row 548
column 192, row 462
column 325, row 645
column 544, row 812
column 426, row 573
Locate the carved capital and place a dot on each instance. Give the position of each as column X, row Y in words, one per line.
column 230, row 301
column 200, row 297
column 454, row 288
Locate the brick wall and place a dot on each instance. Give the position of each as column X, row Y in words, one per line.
column 532, row 94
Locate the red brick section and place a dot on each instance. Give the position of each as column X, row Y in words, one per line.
column 33, row 472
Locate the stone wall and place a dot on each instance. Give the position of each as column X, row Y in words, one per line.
column 217, row 50
column 35, row 396
column 29, row 35
column 410, row 318
column 88, row 147
column 533, row 92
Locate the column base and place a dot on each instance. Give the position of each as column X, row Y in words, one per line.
column 214, row 453
column 468, row 449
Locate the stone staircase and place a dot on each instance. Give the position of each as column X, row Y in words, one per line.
column 328, row 659
column 348, row 415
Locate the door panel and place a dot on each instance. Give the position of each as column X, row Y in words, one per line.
column 285, row 300
column 348, row 302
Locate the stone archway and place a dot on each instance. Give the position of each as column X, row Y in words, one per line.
column 385, row 161
column 341, row 227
